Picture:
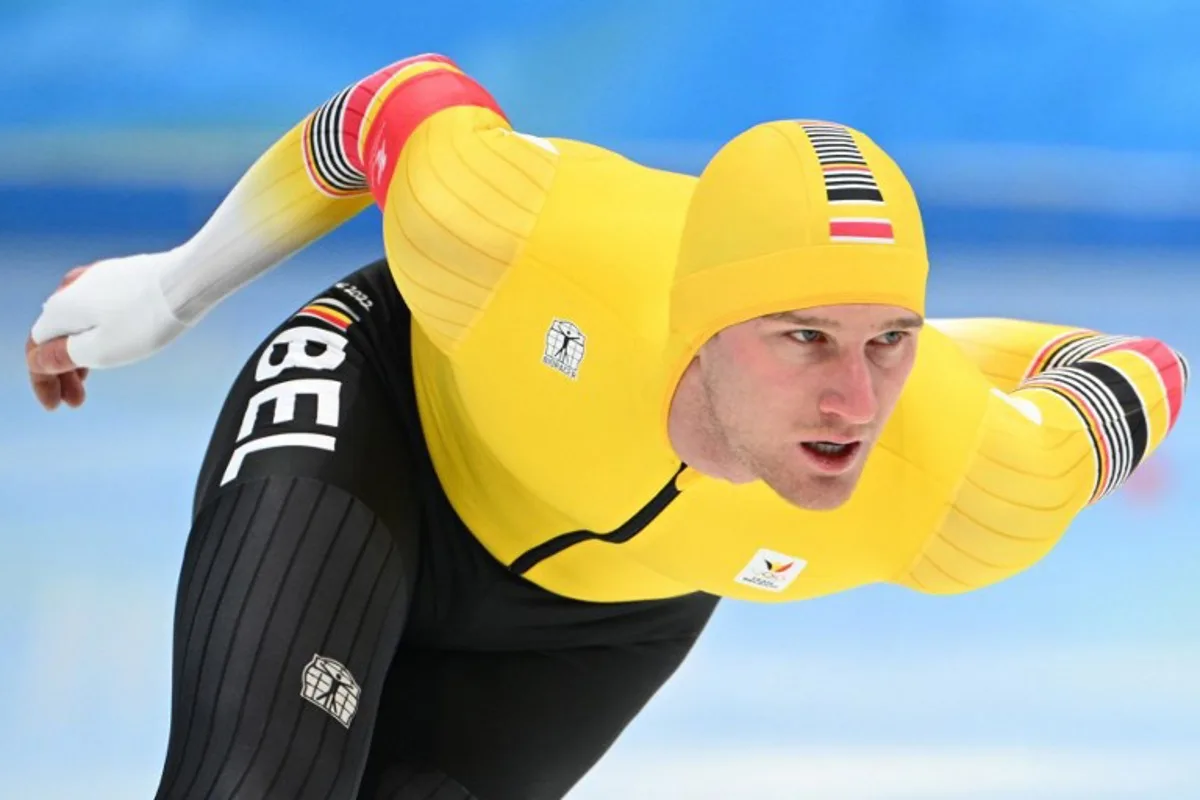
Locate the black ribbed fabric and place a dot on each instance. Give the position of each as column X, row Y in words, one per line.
column 279, row 571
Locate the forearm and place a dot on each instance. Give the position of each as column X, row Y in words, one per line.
column 307, row 184
column 273, row 211
column 1125, row 392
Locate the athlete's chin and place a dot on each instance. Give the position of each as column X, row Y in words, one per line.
column 819, row 493
column 814, row 491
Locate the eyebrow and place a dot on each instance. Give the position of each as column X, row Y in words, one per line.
column 808, row 320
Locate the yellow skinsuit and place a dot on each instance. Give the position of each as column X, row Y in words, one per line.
column 559, row 290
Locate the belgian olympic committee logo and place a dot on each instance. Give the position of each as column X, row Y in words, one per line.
column 771, row 571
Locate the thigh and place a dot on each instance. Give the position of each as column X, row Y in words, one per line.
column 287, row 619
column 297, row 575
column 513, row 725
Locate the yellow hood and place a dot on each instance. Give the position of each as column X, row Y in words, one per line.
column 791, row 215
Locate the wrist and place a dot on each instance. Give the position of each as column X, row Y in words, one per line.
column 176, row 284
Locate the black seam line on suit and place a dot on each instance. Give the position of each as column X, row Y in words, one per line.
column 536, row 555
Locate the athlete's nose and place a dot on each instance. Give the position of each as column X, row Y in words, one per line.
column 850, row 391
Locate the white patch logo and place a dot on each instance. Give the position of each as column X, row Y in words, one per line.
column 330, row 687
column 771, row 571
column 381, row 157
column 564, row 347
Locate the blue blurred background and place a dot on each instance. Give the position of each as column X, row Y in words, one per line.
column 1056, row 150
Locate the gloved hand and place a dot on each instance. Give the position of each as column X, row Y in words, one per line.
column 108, row 314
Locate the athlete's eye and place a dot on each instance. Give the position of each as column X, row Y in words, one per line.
column 807, row 336
column 892, row 338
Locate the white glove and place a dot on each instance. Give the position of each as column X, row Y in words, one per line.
column 115, row 313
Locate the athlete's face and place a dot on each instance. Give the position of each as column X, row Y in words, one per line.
column 779, row 387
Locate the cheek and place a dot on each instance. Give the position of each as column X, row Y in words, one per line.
column 739, row 367
column 891, row 380
column 788, row 396
column 757, row 387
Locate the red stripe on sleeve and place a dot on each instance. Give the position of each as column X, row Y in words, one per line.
column 408, row 105
column 364, row 91
column 1167, row 365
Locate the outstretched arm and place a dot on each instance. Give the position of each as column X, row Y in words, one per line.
column 1074, row 414
column 303, row 187
column 459, row 189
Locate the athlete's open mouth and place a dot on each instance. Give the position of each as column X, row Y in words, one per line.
column 831, row 457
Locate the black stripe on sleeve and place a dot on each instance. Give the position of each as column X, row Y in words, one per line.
column 1132, row 420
